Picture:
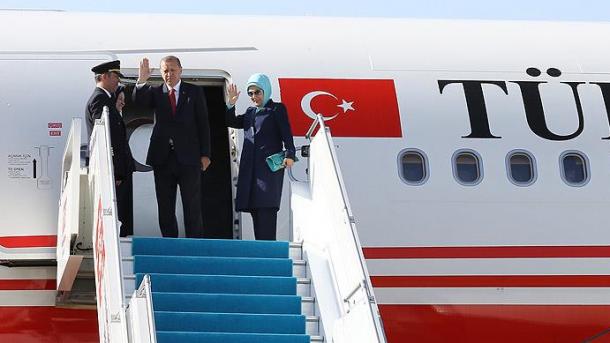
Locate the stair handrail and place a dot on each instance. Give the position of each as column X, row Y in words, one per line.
column 337, row 235
column 106, row 248
column 141, row 314
column 150, row 312
column 69, row 207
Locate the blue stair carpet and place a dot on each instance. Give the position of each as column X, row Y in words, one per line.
column 225, row 291
column 224, row 337
column 209, row 247
column 253, row 266
column 227, row 303
column 221, row 284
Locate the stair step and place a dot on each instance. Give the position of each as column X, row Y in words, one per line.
column 295, row 248
column 127, row 265
column 225, row 337
column 74, row 299
column 308, row 306
column 87, row 265
column 209, row 247
column 219, row 284
column 303, row 287
column 296, row 251
column 125, row 246
column 85, row 275
column 213, row 265
column 299, row 267
column 227, row 303
column 77, row 306
column 312, row 325
column 230, row 322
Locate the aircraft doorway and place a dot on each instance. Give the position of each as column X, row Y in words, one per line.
column 217, row 192
column 217, row 195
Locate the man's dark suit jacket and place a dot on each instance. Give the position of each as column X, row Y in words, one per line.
column 189, row 129
column 122, row 159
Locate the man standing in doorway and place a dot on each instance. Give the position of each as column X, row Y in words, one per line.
column 107, row 81
column 179, row 145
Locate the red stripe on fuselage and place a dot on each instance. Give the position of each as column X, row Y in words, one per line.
column 487, row 252
column 19, row 285
column 495, row 323
column 29, row 241
column 35, row 324
column 493, row 281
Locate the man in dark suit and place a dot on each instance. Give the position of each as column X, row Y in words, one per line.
column 179, row 145
column 107, row 80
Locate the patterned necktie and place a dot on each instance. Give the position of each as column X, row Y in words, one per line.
column 172, row 100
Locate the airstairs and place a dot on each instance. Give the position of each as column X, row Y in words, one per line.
column 150, row 289
column 224, row 290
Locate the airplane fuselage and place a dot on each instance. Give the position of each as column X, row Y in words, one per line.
column 476, row 154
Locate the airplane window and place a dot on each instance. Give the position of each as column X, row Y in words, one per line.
column 413, row 167
column 574, row 170
column 521, row 168
column 467, row 167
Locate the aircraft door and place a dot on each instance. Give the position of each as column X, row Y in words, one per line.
column 217, row 187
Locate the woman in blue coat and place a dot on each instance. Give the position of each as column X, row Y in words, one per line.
column 266, row 132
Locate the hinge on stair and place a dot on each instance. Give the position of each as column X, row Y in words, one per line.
column 369, row 293
column 348, row 298
column 364, row 285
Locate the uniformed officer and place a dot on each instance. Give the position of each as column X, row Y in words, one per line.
column 107, row 79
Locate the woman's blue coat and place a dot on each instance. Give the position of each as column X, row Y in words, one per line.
column 266, row 132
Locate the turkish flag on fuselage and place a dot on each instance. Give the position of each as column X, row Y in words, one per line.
column 351, row 107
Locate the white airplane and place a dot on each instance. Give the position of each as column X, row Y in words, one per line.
column 476, row 156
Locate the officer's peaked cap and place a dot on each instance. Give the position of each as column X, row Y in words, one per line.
column 113, row 66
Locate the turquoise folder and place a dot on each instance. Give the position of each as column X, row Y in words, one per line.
column 276, row 161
